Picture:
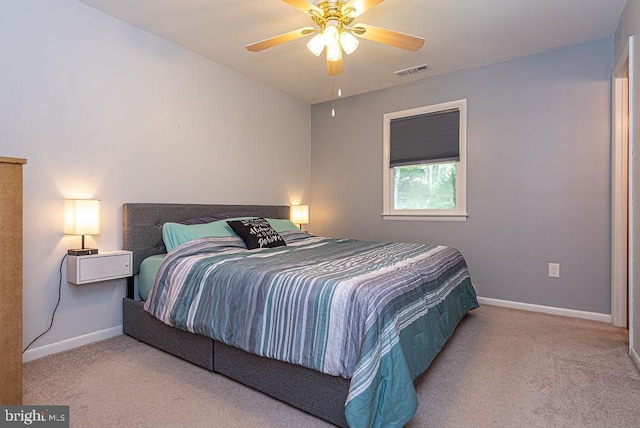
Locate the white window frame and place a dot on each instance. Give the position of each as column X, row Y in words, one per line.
column 457, row 214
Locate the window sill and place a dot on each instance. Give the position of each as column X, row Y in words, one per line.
column 425, row 217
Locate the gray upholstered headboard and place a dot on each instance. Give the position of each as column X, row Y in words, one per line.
column 142, row 223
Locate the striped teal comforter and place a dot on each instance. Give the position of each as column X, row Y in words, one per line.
column 375, row 313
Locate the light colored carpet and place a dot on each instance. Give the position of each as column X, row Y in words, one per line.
column 502, row 368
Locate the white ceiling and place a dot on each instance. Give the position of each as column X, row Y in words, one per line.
column 459, row 34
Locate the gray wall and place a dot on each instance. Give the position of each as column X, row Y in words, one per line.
column 105, row 110
column 630, row 26
column 538, row 173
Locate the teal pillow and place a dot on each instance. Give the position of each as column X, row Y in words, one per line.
column 281, row 224
column 175, row 234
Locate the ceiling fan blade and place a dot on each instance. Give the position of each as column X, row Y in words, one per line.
column 359, row 7
column 334, row 68
column 282, row 38
column 388, row 37
column 304, row 6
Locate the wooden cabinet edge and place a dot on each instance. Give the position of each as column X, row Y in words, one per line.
column 11, row 246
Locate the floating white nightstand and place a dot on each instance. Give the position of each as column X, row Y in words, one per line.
column 99, row 267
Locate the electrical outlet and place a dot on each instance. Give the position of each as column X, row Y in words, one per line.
column 554, row 270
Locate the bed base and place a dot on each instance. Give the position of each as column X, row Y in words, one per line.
column 138, row 323
column 313, row 392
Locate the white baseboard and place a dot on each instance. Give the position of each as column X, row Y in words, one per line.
column 74, row 342
column 594, row 316
column 634, row 356
column 96, row 336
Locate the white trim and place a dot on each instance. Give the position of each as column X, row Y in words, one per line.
column 388, row 213
column 420, row 217
column 594, row 316
column 74, row 342
column 619, row 190
column 632, row 101
column 635, row 357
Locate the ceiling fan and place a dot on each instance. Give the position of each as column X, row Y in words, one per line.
column 333, row 19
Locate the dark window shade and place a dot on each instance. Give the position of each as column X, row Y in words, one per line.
column 425, row 138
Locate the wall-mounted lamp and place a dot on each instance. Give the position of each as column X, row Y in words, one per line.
column 300, row 214
column 82, row 217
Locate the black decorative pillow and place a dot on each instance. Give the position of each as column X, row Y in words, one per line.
column 257, row 233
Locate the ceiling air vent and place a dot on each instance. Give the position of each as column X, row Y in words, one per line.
column 412, row 70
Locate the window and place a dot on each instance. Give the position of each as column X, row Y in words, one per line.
column 424, row 166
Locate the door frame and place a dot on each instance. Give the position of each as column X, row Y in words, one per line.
column 621, row 257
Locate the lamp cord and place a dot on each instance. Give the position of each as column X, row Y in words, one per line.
column 54, row 309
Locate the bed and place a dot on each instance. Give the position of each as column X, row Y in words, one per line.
column 369, row 365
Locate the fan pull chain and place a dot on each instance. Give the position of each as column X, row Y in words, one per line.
column 333, row 97
column 333, row 94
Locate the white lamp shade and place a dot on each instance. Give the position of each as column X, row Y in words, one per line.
column 300, row 214
column 349, row 42
column 82, row 217
column 331, row 38
column 316, row 44
column 331, row 35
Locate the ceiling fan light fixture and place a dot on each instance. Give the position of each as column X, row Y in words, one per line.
column 348, row 42
column 316, row 44
column 333, row 19
column 330, row 35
